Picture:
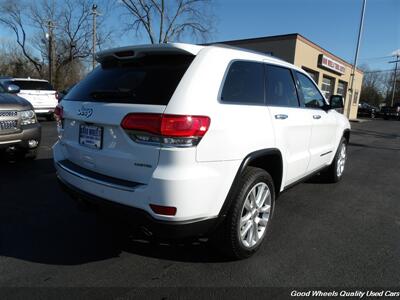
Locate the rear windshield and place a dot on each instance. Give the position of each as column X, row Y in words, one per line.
column 33, row 85
column 147, row 80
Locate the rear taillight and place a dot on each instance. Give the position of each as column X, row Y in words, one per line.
column 59, row 112
column 59, row 115
column 169, row 130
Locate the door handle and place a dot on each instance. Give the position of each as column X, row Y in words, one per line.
column 316, row 117
column 281, row 117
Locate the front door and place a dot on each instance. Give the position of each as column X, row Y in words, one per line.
column 292, row 125
column 323, row 124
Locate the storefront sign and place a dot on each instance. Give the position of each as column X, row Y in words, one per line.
column 329, row 63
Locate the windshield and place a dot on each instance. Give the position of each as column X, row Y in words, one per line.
column 147, row 80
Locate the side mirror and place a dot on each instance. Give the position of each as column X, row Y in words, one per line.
column 336, row 102
column 13, row 89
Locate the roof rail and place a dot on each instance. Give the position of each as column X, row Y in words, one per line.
column 246, row 50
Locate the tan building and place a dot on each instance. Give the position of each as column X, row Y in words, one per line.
column 330, row 72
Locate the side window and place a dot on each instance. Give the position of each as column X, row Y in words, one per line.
column 244, row 83
column 280, row 87
column 311, row 96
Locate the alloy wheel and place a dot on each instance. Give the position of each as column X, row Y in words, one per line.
column 255, row 215
column 341, row 160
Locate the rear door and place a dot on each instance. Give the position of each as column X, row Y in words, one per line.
column 322, row 146
column 292, row 124
column 93, row 110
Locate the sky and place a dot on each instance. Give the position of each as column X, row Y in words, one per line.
column 332, row 24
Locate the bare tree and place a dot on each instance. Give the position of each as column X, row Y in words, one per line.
column 12, row 60
column 165, row 21
column 71, row 31
column 373, row 86
column 12, row 17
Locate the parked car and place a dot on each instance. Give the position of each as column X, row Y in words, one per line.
column 391, row 112
column 196, row 140
column 40, row 93
column 367, row 110
column 19, row 130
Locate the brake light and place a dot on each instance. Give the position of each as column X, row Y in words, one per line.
column 127, row 53
column 143, row 122
column 184, row 126
column 173, row 130
column 59, row 112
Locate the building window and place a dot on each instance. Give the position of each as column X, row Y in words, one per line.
column 327, row 87
column 341, row 88
column 313, row 74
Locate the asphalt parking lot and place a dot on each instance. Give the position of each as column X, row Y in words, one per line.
column 323, row 235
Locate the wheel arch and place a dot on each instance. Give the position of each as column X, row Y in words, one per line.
column 346, row 135
column 269, row 160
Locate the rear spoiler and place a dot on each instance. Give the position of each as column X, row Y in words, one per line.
column 130, row 52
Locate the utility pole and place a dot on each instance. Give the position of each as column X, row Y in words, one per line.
column 395, row 77
column 49, row 36
column 354, row 68
column 95, row 13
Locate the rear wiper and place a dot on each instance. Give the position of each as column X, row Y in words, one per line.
column 116, row 94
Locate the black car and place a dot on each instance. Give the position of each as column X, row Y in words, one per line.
column 367, row 110
column 20, row 131
column 391, row 112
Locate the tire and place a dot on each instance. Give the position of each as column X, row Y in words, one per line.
column 334, row 173
column 228, row 236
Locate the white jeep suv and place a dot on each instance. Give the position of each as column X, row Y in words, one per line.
column 196, row 140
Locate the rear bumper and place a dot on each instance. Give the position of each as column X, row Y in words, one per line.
column 140, row 218
column 44, row 111
column 197, row 190
column 20, row 139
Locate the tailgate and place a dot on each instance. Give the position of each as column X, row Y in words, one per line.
column 40, row 99
column 94, row 139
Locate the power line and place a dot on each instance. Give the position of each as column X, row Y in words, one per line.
column 376, row 58
column 378, row 71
